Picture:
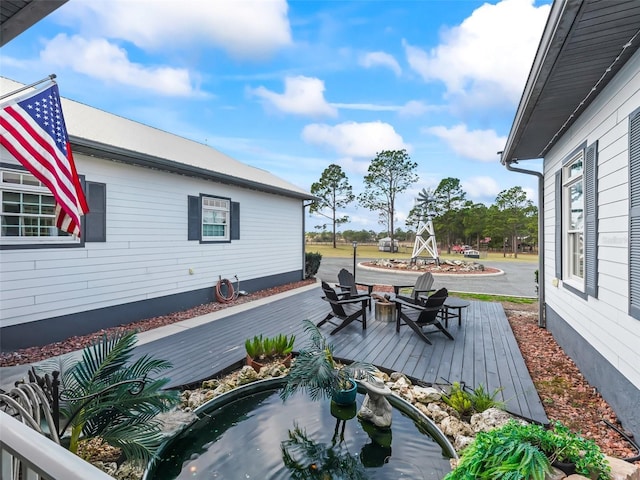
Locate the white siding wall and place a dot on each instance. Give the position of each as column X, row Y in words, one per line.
column 147, row 254
column 603, row 322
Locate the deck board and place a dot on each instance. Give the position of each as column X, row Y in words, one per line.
column 484, row 349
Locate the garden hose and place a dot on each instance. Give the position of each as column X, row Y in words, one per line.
column 225, row 284
column 628, row 439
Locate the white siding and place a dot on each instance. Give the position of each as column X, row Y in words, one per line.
column 603, row 322
column 147, row 254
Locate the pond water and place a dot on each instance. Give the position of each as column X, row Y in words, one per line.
column 257, row 436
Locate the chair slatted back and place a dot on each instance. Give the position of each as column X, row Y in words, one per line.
column 423, row 283
column 347, row 282
column 332, row 296
column 432, row 305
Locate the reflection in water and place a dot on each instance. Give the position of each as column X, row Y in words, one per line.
column 306, row 459
column 260, row 437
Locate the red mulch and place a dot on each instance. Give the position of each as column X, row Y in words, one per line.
column 565, row 394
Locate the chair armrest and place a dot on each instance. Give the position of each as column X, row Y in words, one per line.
column 396, row 288
column 417, row 306
column 404, row 299
column 418, row 292
column 345, row 301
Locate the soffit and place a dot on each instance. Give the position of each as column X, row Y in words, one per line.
column 16, row 16
column 584, row 45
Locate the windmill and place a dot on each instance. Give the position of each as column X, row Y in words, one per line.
column 425, row 237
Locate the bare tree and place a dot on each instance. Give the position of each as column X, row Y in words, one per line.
column 333, row 192
column 389, row 174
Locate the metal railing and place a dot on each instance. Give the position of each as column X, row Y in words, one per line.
column 24, row 450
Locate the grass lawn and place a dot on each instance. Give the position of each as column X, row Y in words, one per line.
column 371, row 251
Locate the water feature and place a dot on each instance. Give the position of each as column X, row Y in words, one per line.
column 250, row 434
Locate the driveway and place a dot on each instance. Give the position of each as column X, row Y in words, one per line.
column 517, row 278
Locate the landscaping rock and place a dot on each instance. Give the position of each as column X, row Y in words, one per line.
column 489, row 419
column 426, row 394
column 621, row 470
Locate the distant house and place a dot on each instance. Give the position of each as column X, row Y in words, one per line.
column 580, row 112
column 384, row 245
column 168, row 218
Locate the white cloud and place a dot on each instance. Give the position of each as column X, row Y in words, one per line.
column 98, row 58
column 361, row 140
column 482, row 145
column 492, row 50
column 302, row 96
column 380, row 59
column 481, row 187
column 367, row 107
column 251, row 29
column 414, row 108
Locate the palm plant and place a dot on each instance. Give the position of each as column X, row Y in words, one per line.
column 316, row 370
column 104, row 395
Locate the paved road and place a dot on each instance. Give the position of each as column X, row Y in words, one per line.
column 518, row 277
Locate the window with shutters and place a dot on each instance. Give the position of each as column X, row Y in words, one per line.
column 573, row 228
column 213, row 219
column 28, row 211
column 576, row 226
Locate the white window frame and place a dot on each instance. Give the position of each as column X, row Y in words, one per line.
column 24, row 183
column 573, row 233
column 216, row 215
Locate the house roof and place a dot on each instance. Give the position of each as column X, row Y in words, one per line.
column 584, row 44
column 98, row 133
column 18, row 15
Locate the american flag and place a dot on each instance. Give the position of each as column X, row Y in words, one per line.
column 32, row 129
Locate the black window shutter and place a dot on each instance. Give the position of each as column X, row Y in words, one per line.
column 95, row 222
column 634, row 214
column 591, row 220
column 558, row 225
column 235, row 221
column 194, row 215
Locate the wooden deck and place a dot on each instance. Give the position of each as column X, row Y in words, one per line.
column 484, row 350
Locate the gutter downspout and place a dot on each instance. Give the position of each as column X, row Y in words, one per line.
column 304, row 239
column 542, row 317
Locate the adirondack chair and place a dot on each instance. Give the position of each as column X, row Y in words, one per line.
column 349, row 286
column 347, row 310
column 422, row 287
column 429, row 313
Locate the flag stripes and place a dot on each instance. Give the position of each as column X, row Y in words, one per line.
column 32, row 129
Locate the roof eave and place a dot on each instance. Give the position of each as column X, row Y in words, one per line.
column 97, row 149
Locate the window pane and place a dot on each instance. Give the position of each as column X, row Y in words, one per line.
column 10, row 177
column 577, row 206
column 213, row 230
column 576, row 255
column 575, row 168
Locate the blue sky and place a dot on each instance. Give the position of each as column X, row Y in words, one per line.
column 292, row 87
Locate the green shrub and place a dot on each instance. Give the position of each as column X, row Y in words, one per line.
column 278, row 346
column 467, row 402
column 482, row 399
column 283, row 345
column 459, row 400
column 312, row 264
column 516, row 451
column 254, row 347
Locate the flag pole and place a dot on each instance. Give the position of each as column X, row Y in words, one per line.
column 50, row 77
